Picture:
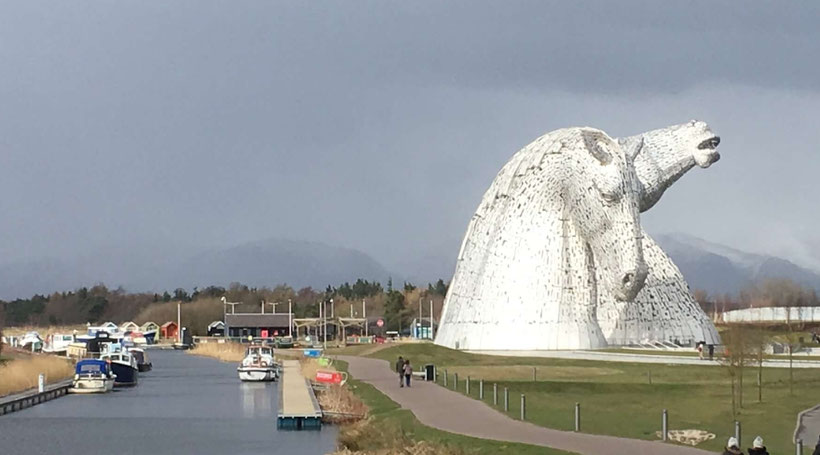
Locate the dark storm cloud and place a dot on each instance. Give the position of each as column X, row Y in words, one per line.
column 375, row 125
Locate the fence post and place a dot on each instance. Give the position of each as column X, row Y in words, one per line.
column 506, row 399
column 798, row 448
column 445, row 377
column 41, row 383
column 523, row 407
column 534, row 374
column 665, row 426
column 481, row 389
column 577, row 417
column 455, row 381
column 468, row 385
column 737, row 433
column 495, row 394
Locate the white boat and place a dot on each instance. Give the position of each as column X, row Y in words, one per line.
column 92, row 376
column 258, row 364
column 57, row 343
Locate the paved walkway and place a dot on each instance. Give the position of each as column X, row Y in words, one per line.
column 451, row 411
column 808, row 426
column 642, row 358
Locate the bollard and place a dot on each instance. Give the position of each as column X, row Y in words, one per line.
column 665, row 426
column 455, row 381
column 481, row 389
column 737, row 433
column 468, row 385
column 534, row 374
column 577, row 417
column 495, row 394
column 41, row 383
column 523, row 407
column 445, row 378
column 506, row 399
column 798, row 448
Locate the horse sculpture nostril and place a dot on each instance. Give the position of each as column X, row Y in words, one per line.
column 628, row 279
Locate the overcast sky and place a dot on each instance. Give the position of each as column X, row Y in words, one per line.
column 378, row 125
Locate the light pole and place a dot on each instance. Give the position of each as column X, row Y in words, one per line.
column 432, row 331
column 364, row 313
column 290, row 318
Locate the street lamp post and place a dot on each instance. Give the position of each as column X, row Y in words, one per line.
column 290, row 318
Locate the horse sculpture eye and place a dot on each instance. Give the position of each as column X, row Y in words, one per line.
column 610, row 198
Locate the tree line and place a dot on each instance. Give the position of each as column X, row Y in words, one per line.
column 98, row 303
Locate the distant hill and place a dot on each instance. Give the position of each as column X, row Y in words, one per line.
column 717, row 268
column 264, row 263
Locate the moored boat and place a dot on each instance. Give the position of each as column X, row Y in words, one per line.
column 258, row 364
column 143, row 363
column 92, row 376
column 124, row 366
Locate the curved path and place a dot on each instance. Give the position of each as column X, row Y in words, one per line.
column 451, row 411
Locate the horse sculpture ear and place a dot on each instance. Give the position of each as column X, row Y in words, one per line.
column 596, row 143
column 629, row 145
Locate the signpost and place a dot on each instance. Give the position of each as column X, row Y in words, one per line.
column 380, row 322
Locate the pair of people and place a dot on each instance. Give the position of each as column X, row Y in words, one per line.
column 405, row 371
column 757, row 447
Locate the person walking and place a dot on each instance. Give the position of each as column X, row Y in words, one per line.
column 700, row 349
column 400, row 370
column 817, row 448
column 408, row 371
column 732, row 447
column 758, row 448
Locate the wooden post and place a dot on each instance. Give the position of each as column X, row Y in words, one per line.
column 468, row 385
column 455, row 381
column 495, row 394
column 445, row 377
column 481, row 389
column 798, row 447
column 737, row 433
column 523, row 407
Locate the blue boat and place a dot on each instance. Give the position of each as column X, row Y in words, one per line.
column 92, row 376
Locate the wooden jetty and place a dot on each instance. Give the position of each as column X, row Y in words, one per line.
column 298, row 407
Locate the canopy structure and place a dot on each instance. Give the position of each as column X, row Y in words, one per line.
column 91, row 366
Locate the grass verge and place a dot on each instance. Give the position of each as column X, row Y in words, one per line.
column 393, row 430
column 627, row 399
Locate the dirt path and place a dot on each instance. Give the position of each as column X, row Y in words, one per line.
column 447, row 410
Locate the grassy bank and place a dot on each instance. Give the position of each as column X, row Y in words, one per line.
column 20, row 372
column 226, row 352
column 697, row 397
column 392, row 430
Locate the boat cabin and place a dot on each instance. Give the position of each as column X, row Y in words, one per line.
column 264, row 351
column 92, row 367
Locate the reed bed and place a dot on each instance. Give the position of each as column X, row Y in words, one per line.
column 22, row 372
column 369, row 437
column 226, row 352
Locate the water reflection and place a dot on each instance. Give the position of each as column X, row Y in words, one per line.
column 258, row 398
column 187, row 404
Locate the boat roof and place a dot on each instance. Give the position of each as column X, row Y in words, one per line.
column 90, row 366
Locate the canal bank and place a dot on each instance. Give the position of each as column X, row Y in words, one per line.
column 187, row 404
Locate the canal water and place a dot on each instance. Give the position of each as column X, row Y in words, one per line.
column 186, row 405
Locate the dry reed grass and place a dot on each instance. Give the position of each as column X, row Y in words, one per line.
column 341, row 404
column 226, row 352
column 43, row 331
column 368, row 437
column 21, row 373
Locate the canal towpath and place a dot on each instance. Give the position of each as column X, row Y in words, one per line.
column 451, row 411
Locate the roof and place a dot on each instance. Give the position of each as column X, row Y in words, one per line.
column 149, row 324
column 257, row 320
column 129, row 324
column 216, row 324
column 168, row 324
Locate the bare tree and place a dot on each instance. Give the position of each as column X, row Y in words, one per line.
column 737, row 355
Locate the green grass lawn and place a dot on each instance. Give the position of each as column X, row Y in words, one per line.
column 388, row 414
column 618, row 399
